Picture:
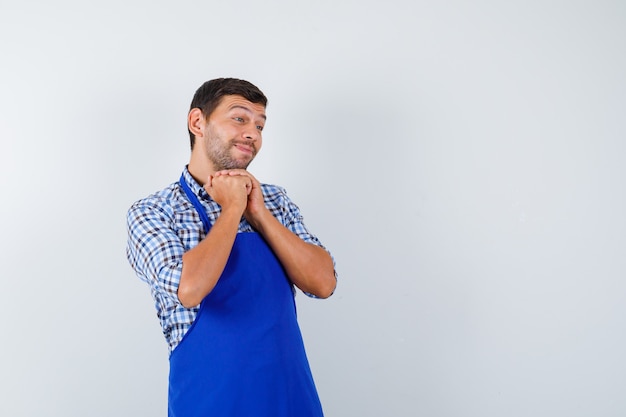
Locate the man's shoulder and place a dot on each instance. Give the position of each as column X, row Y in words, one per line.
column 168, row 199
column 274, row 193
column 272, row 189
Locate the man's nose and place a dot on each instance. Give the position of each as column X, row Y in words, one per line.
column 251, row 133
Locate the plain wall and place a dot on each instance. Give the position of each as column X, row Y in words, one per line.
column 462, row 160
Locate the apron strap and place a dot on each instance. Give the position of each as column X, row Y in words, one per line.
column 196, row 203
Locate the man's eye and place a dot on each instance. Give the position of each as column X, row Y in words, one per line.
column 260, row 128
column 239, row 119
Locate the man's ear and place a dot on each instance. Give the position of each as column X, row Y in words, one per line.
column 196, row 122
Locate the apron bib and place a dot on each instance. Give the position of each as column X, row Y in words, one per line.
column 244, row 354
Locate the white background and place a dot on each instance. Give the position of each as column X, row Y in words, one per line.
column 462, row 160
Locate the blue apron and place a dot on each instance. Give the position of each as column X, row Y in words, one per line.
column 243, row 355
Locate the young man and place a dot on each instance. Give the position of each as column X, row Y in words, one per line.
column 221, row 254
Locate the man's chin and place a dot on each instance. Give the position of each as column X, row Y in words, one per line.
column 237, row 165
column 243, row 163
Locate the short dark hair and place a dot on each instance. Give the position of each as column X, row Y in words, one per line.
column 209, row 95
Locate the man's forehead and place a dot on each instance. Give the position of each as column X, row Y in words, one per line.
column 236, row 101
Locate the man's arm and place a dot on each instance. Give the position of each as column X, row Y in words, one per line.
column 203, row 265
column 307, row 265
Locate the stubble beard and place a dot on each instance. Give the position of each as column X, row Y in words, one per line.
column 221, row 157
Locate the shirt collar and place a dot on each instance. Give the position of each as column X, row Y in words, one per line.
column 193, row 184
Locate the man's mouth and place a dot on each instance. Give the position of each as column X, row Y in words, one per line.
column 245, row 148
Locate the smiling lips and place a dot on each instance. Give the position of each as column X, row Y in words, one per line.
column 245, row 148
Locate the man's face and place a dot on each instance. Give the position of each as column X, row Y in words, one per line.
column 233, row 133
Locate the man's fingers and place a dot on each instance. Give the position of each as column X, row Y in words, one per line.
column 230, row 172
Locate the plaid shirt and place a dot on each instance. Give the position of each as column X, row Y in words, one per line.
column 164, row 225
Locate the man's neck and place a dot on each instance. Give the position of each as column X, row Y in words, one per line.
column 199, row 168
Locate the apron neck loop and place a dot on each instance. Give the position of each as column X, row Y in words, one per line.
column 196, row 203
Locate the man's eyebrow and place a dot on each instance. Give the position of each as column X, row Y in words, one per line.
column 239, row 106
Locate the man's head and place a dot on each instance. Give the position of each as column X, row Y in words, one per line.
column 210, row 94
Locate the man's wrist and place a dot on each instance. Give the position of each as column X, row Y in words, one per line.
column 260, row 220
